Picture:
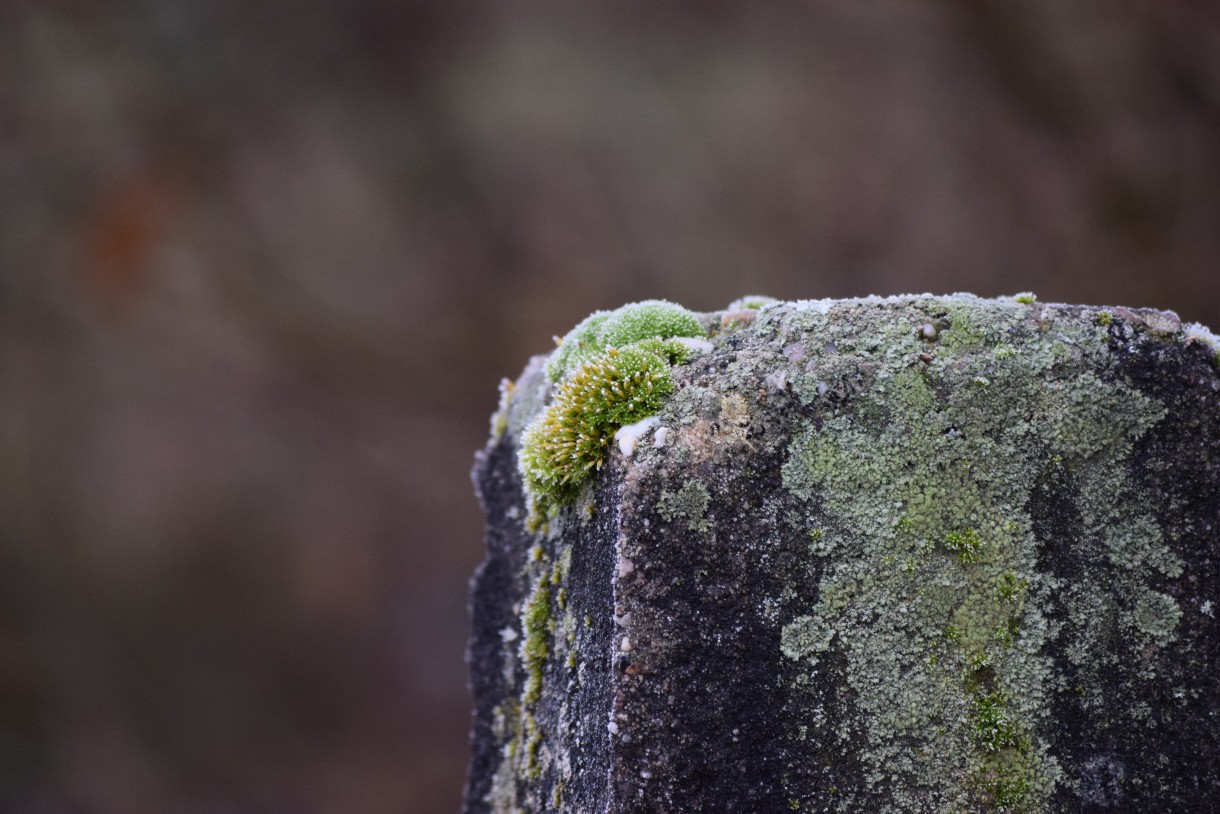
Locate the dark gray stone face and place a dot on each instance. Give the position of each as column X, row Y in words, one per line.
column 907, row 555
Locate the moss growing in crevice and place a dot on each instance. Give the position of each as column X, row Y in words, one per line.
column 535, row 643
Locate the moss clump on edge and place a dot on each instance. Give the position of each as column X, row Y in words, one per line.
column 625, row 383
column 602, row 330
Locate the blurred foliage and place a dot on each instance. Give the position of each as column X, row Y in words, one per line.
column 262, row 263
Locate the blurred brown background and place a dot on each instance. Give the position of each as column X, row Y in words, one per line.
column 262, row 264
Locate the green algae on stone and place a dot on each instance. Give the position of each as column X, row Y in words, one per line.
column 924, row 479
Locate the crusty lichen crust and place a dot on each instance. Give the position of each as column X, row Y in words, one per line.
column 923, row 483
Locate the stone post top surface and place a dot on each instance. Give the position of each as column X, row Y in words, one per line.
column 901, row 554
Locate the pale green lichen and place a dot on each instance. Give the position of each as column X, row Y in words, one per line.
column 923, row 481
column 689, row 503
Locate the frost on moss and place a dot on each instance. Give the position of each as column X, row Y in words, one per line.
column 1196, row 334
column 571, row 438
column 922, row 484
column 602, row 330
column 612, row 369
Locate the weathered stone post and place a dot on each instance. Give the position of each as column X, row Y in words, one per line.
column 915, row 554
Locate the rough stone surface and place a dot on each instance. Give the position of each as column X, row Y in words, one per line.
column 915, row 554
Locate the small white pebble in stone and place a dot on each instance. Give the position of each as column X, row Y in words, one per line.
column 612, row 727
column 625, row 645
column 795, row 352
column 822, row 388
column 1206, row 607
column 659, row 438
column 928, row 331
column 627, row 436
column 625, row 567
column 508, row 634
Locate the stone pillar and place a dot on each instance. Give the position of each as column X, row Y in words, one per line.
column 914, row 554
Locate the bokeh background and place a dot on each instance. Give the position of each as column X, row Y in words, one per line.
column 263, row 263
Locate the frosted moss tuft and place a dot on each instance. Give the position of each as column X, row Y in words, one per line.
column 602, row 330
column 572, row 436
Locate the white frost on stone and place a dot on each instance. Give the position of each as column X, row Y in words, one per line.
column 692, row 343
column 1194, row 332
column 816, row 306
column 628, row 435
column 508, row 634
column 625, row 567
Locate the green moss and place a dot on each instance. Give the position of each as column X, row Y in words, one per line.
column 535, row 644
column 602, row 330
column 1011, row 588
column 612, row 369
column 966, row 544
column 579, row 345
column 994, row 725
column 1026, row 298
column 572, row 436
column 689, row 503
column 915, row 455
column 653, row 319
